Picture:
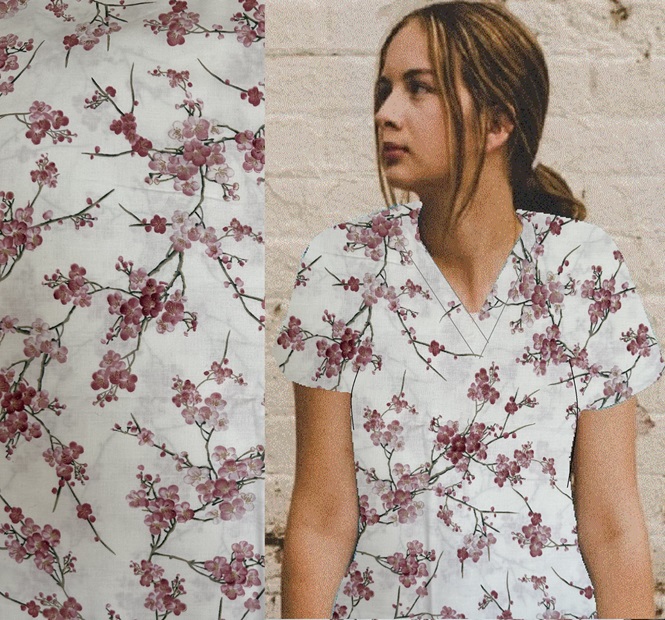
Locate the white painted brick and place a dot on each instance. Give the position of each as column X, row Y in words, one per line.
column 606, row 145
column 650, row 454
column 343, row 26
column 643, row 260
column 624, row 202
column 586, row 27
column 362, row 27
column 306, row 145
column 628, row 87
column 301, row 207
column 273, row 559
column 652, row 492
column 325, row 85
column 273, row 601
column 278, row 496
column 280, row 448
column 295, row 26
column 569, row 82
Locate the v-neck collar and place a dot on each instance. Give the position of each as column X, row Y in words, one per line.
column 476, row 328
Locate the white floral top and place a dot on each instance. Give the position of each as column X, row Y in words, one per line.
column 463, row 423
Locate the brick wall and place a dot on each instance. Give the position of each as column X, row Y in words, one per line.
column 605, row 133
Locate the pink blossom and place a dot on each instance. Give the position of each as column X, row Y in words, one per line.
column 409, row 567
column 482, row 390
column 188, row 188
column 8, row 325
column 196, row 152
column 46, row 173
column 84, row 511
column 159, row 163
column 219, row 173
column 253, row 95
column 198, row 128
column 449, row 612
column 638, row 343
column 245, row 34
column 158, row 224
column 244, row 140
column 358, row 582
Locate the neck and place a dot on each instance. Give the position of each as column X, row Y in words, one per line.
column 488, row 227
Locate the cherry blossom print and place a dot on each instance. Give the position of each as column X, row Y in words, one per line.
column 253, row 145
column 464, row 425
column 95, row 304
column 25, row 540
column 49, row 606
column 254, row 96
column 147, row 300
column 344, row 348
column 11, row 56
column 357, row 587
column 42, row 122
column 199, row 158
column 535, row 535
column 498, row 603
column 20, row 229
column 412, row 565
column 216, row 489
column 179, row 23
column 474, row 547
column 9, row 8
column 88, row 34
column 25, row 408
column 165, row 595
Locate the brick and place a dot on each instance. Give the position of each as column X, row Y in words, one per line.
column 325, row 85
column 280, row 446
column 599, row 144
column 569, row 82
column 587, row 27
column 652, row 493
column 628, row 87
column 305, row 145
column 273, row 601
column 296, row 26
column 278, row 496
column 625, row 202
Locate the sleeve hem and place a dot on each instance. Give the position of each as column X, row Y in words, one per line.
column 640, row 385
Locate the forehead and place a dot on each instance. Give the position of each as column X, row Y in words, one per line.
column 407, row 50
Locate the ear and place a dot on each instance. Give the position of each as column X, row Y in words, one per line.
column 499, row 128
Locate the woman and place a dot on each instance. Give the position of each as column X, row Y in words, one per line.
column 455, row 464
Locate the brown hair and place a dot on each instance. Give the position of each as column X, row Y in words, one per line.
column 502, row 65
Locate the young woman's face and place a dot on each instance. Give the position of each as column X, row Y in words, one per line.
column 411, row 121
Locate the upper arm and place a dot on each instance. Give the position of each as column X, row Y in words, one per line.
column 325, row 482
column 604, row 470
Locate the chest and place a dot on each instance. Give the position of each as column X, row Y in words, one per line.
column 488, row 389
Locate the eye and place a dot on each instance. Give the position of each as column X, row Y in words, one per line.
column 417, row 87
column 382, row 91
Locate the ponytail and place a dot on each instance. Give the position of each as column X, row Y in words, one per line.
column 545, row 190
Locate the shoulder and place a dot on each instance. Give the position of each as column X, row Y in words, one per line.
column 559, row 227
column 560, row 236
column 336, row 238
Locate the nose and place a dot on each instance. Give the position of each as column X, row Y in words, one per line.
column 390, row 112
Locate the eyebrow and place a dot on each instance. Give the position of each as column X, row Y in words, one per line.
column 411, row 73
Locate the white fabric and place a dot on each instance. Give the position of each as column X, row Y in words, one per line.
column 463, row 453
column 160, row 146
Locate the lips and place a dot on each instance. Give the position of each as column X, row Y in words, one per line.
column 391, row 149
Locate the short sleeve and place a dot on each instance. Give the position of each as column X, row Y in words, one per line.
column 619, row 354
column 324, row 340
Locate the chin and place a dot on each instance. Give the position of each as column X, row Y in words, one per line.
column 398, row 182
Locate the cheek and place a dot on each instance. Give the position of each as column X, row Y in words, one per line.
column 434, row 131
